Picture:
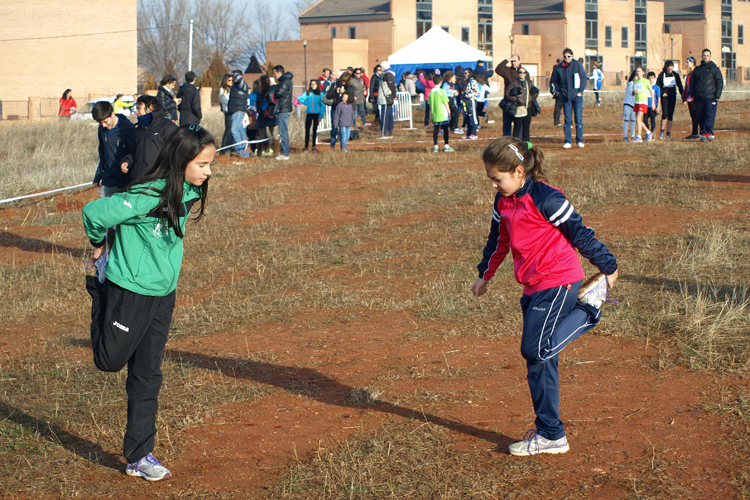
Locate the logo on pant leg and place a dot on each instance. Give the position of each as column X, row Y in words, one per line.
column 121, row 327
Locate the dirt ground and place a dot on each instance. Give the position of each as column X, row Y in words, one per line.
column 627, row 415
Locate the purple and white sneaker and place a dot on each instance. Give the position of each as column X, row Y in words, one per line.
column 534, row 444
column 149, row 468
column 594, row 291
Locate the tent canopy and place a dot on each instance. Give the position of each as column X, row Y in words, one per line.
column 436, row 49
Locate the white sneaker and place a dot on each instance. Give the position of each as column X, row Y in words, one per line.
column 534, row 444
column 435, row 149
column 149, row 468
column 594, row 291
column 580, row 144
column 566, row 145
column 282, row 157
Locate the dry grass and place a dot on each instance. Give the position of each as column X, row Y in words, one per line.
column 411, row 249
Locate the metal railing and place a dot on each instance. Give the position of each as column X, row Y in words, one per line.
column 401, row 113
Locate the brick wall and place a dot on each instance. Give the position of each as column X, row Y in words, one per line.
column 104, row 64
column 335, row 54
column 378, row 34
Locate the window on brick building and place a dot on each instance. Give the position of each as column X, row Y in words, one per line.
column 608, row 36
column 624, row 37
column 447, row 29
column 352, row 32
column 524, row 29
column 424, row 16
column 465, row 35
column 333, row 32
column 740, row 34
column 484, row 41
column 667, row 28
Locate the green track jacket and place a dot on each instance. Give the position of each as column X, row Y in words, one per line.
column 147, row 255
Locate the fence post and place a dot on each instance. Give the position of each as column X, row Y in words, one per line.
column 34, row 108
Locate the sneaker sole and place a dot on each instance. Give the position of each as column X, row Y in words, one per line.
column 551, row 451
column 590, row 284
column 136, row 473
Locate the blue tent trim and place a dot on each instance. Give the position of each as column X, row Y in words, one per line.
column 428, row 68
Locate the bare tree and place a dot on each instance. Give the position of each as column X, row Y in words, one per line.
column 299, row 7
column 236, row 28
column 163, row 34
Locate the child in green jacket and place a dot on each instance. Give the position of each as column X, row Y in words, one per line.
column 441, row 115
column 132, row 309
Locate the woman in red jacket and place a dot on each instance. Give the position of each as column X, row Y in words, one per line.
column 67, row 105
column 541, row 228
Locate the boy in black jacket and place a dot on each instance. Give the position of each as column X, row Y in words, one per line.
column 190, row 105
column 116, row 140
column 151, row 133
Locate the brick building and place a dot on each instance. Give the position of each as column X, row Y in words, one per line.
column 48, row 46
column 619, row 34
column 386, row 27
column 716, row 24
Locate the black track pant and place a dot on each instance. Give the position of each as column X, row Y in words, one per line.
column 693, row 116
column 130, row 328
column 558, row 109
column 446, row 132
column 311, row 120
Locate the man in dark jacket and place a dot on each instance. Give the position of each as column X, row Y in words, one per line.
column 557, row 97
column 706, row 84
column 151, row 132
column 237, row 108
column 377, row 77
column 116, row 141
column 569, row 79
column 283, row 96
column 190, row 105
column 481, row 71
column 509, row 75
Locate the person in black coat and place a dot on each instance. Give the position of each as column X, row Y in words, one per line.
column 190, row 101
column 377, row 77
column 167, row 98
column 283, row 108
column 151, row 132
column 706, row 85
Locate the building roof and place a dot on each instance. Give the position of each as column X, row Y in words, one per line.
column 328, row 11
column 676, row 10
column 539, row 9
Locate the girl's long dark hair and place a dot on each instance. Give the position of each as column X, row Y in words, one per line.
column 65, row 93
column 264, row 83
column 181, row 148
column 317, row 87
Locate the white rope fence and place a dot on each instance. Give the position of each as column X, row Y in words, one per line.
column 245, row 142
column 34, row 195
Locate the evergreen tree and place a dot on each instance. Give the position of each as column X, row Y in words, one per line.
column 150, row 83
column 215, row 72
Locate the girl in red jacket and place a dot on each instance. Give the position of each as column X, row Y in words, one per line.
column 541, row 228
column 67, row 105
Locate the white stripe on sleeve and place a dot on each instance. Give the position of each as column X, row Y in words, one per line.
column 559, row 212
column 566, row 216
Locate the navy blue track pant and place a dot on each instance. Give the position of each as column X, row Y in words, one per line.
column 551, row 320
column 706, row 115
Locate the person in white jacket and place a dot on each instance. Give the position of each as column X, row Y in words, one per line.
column 597, row 78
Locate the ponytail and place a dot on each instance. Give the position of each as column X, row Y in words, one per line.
column 506, row 153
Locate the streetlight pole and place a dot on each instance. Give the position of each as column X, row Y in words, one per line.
column 304, row 44
column 190, row 50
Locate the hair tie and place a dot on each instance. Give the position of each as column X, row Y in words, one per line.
column 195, row 128
column 529, row 145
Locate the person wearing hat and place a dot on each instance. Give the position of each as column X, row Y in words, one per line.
column 387, row 95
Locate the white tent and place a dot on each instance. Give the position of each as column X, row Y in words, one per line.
column 436, row 46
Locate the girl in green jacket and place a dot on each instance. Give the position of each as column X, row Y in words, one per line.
column 132, row 308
